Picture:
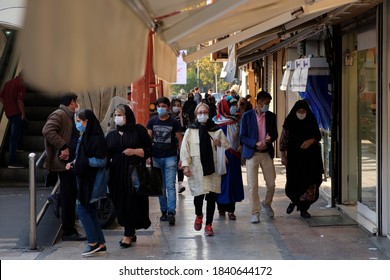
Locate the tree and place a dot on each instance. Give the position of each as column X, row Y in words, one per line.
column 208, row 71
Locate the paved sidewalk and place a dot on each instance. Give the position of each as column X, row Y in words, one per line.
column 285, row 237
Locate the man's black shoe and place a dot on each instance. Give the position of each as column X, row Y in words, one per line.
column 73, row 237
column 171, row 219
column 55, row 204
column 290, row 208
column 164, row 216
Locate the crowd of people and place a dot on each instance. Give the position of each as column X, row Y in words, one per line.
column 205, row 141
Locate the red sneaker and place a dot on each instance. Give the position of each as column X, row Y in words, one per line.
column 198, row 223
column 208, row 230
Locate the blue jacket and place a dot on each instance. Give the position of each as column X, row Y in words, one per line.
column 249, row 133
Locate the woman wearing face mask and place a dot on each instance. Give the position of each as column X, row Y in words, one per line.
column 232, row 189
column 198, row 156
column 189, row 107
column 89, row 167
column 210, row 101
column 128, row 145
column 183, row 119
column 301, row 154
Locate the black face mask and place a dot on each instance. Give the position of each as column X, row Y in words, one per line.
column 190, row 98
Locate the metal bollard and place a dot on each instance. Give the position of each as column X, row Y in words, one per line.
column 33, row 224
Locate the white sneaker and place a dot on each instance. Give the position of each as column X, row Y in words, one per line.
column 255, row 219
column 268, row 209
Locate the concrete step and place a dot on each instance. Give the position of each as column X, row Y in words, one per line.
column 38, row 107
column 22, row 157
column 39, row 113
column 20, row 177
column 35, row 127
column 30, row 143
column 37, row 98
column 33, row 143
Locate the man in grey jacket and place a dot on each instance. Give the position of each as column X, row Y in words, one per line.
column 61, row 136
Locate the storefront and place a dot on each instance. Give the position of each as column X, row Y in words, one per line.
column 358, row 170
column 362, row 140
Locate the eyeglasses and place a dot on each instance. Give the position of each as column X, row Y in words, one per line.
column 202, row 113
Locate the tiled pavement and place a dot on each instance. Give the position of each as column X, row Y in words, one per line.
column 285, row 237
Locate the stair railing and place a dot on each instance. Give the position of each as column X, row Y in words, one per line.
column 36, row 219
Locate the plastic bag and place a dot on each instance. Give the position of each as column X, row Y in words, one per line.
column 221, row 161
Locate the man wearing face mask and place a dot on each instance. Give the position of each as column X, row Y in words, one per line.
column 258, row 131
column 166, row 136
column 60, row 137
column 182, row 118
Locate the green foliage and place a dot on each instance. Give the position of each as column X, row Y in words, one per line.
column 208, row 72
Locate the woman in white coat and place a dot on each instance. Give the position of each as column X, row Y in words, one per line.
column 198, row 155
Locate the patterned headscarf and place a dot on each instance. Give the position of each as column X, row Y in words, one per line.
column 223, row 116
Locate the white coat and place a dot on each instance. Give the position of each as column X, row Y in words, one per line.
column 190, row 156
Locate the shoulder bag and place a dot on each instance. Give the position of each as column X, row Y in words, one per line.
column 150, row 180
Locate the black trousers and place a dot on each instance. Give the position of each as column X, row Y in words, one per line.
column 180, row 173
column 68, row 195
column 229, row 207
column 211, row 199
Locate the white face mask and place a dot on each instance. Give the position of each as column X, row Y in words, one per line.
column 301, row 116
column 202, row 118
column 119, row 120
column 175, row 109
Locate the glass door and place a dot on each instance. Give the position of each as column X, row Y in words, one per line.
column 367, row 133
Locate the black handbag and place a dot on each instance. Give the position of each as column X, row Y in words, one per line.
column 150, row 180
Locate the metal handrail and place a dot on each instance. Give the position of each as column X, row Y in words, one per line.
column 39, row 164
column 36, row 219
column 33, row 224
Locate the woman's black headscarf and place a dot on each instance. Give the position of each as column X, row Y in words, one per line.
column 305, row 167
column 205, row 145
column 93, row 138
column 306, row 128
column 93, row 144
column 130, row 119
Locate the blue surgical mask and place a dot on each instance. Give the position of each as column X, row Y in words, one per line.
column 80, row 127
column 233, row 110
column 161, row 111
column 264, row 108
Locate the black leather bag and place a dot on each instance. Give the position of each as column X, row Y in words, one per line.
column 150, row 180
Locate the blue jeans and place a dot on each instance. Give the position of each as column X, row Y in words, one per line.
column 88, row 216
column 168, row 167
column 17, row 125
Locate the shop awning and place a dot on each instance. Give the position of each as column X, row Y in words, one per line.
column 12, row 13
column 93, row 43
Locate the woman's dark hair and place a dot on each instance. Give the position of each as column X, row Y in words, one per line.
column 175, row 100
column 82, row 115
